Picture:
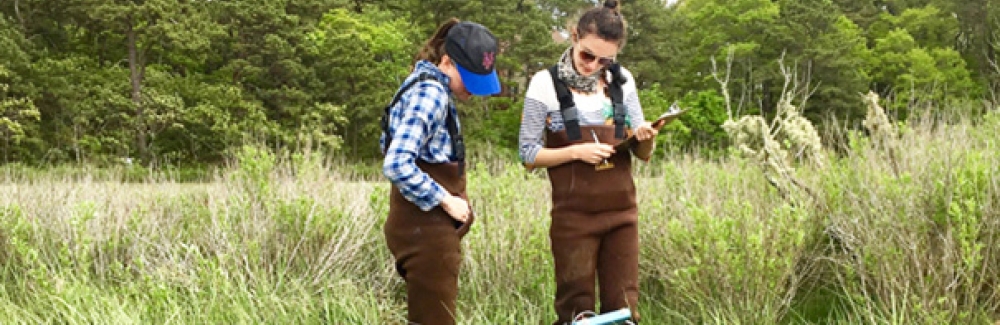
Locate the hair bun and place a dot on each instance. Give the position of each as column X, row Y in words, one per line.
column 611, row 4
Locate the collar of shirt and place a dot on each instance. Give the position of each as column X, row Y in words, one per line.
column 428, row 67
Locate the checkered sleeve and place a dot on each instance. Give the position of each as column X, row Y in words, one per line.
column 411, row 124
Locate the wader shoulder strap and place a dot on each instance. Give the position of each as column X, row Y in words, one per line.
column 571, row 117
column 457, row 142
column 567, row 107
column 617, row 99
column 451, row 123
column 384, row 123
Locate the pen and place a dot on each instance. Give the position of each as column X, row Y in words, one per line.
column 604, row 162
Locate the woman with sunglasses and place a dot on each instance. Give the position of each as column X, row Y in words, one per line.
column 594, row 233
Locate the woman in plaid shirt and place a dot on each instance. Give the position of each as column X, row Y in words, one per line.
column 424, row 160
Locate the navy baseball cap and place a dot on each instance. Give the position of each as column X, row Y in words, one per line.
column 474, row 49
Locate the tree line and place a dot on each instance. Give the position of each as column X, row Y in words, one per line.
column 168, row 82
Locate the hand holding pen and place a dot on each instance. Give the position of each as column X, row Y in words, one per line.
column 604, row 164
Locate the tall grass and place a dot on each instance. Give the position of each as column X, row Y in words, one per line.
column 909, row 238
column 920, row 246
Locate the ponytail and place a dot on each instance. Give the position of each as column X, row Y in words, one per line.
column 433, row 49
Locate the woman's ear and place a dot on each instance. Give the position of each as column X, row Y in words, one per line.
column 446, row 64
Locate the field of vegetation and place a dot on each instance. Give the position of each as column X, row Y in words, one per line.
column 215, row 162
column 872, row 236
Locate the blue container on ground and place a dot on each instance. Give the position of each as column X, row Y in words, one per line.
column 614, row 317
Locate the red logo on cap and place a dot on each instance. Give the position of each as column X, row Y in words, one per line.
column 488, row 60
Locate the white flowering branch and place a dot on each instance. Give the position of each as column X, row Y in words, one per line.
column 882, row 132
column 774, row 146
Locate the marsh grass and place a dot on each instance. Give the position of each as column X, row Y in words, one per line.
column 297, row 240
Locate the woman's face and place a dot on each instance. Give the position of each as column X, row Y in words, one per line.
column 592, row 53
column 447, row 66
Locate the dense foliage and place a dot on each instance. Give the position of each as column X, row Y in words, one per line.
column 184, row 82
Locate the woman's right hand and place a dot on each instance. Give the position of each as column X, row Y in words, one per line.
column 456, row 207
column 592, row 153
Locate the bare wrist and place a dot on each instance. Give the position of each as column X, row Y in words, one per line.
column 573, row 155
column 445, row 201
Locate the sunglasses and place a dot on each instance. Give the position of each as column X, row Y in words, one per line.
column 587, row 57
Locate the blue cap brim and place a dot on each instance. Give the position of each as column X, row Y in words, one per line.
column 480, row 84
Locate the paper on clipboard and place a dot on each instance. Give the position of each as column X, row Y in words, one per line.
column 672, row 113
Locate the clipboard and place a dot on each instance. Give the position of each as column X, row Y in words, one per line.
column 672, row 113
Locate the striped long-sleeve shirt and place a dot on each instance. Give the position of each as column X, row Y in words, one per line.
column 541, row 111
column 418, row 129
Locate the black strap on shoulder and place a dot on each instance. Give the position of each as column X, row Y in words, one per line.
column 571, row 117
column 617, row 99
column 384, row 123
column 451, row 123
column 457, row 142
column 567, row 106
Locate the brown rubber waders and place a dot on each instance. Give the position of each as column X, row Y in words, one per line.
column 594, row 233
column 427, row 249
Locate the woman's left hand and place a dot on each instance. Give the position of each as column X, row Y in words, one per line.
column 645, row 132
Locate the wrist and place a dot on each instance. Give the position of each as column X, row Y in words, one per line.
column 441, row 198
column 573, row 152
column 446, row 200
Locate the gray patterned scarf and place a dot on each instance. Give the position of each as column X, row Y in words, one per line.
column 573, row 79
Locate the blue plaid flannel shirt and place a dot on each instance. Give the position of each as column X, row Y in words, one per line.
column 417, row 125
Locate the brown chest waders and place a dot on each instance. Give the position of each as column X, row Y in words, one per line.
column 594, row 232
column 427, row 249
